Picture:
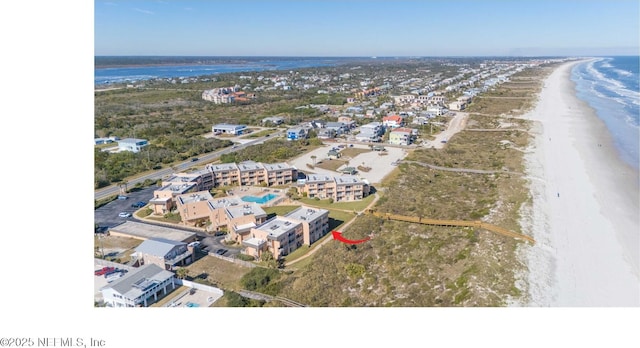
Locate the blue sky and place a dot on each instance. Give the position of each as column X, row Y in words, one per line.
column 366, row 28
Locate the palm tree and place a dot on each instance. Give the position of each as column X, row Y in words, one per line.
column 181, row 273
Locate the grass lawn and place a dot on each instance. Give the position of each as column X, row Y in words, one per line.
column 280, row 209
column 326, row 204
column 337, row 218
column 223, row 274
column 353, row 151
column 332, row 164
column 261, row 133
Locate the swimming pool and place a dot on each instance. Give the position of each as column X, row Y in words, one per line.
column 260, row 200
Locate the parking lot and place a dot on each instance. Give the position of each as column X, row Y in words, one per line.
column 380, row 165
column 107, row 215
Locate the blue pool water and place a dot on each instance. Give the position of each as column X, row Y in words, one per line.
column 260, row 200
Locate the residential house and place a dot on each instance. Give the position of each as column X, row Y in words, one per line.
column 132, row 144
column 326, row 133
column 436, row 110
column 339, row 127
column 297, row 133
column 371, row 132
column 401, row 136
column 223, row 128
column 273, row 120
column 165, row 253
column 393, row 121
column 140, row 287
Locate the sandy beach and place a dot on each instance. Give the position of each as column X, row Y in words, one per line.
column 584, row 213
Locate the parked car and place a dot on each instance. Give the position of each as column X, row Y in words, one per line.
column 122, row 197
column 221, row 251
column 124, row 214
column 104, row 270
column 138, row 204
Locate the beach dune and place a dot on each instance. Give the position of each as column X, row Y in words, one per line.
column 584, row 213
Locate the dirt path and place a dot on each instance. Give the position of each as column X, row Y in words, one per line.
column 461, row 170
column 457, row 123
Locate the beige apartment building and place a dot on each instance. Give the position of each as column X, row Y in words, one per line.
column 246, row 173
column 194, row 208
column 199, row 208
column 340, row 188
column 282, row 235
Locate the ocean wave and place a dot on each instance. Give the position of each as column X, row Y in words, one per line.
column 623, row 72
column 613, row 85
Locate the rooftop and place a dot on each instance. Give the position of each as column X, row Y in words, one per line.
column 348, row 179
column 318, row 178
column 194, row 197
column 219, row 203
column 305, row 213
column 136, row 282
column 158, row 246
column 277, row 166
column 249, row 165
column 278, row 226
column 245, row 209
column 223, row 166
column 177, row 188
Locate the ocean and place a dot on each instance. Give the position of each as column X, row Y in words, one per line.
column 133, row 73
column 611, row 86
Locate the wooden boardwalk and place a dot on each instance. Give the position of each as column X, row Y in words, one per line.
column 436, row 222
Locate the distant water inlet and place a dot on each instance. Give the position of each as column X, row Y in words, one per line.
column 260, row 200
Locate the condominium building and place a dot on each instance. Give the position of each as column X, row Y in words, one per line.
column 199, row 208
column 339, row 188
column 282, row 235
column 315, row 223
column 246, row 173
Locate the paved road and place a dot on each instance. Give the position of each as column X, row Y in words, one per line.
column 158, row 174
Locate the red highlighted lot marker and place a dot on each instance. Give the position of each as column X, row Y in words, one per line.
column 338, row 236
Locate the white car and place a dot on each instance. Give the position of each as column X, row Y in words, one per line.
column 124, row 214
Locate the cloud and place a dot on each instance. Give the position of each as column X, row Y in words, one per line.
column 143, row 11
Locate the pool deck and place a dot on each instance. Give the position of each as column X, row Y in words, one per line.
column 260, row 192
